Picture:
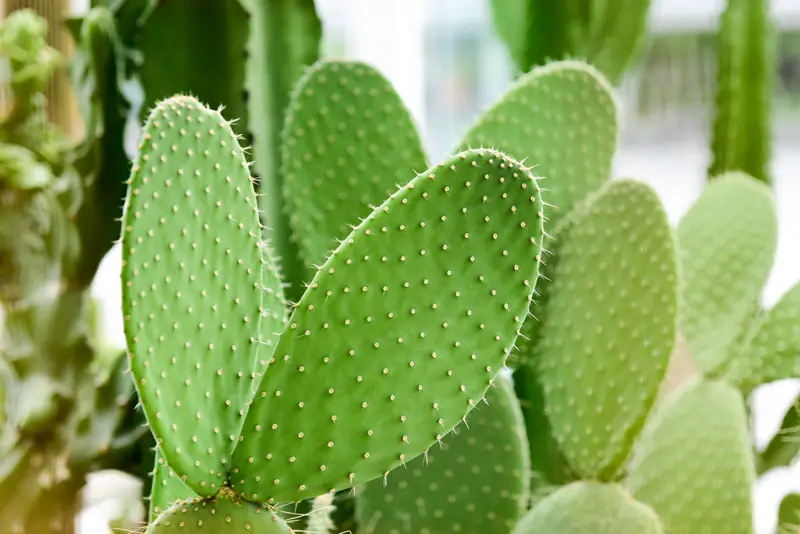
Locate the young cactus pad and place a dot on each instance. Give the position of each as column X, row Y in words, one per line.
column 167, row 488
column 720, row 282
column 563, row 118
column 193, row 285
column 348, row 143
column 476, row 481
column 223, row 514
column 694, row 463
column 399, row 334
column 607, row 325
column 590, row 508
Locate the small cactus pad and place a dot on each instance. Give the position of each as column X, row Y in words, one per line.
column 476, row 482
column 608, row 324
column 222, row 514
column 167, row 488
column 590, row 508
column 726, row 242
column 694, row 463
column 399, row 334
column 192, row 278
column 773, row 352
column 348, row 143
column 562, row 120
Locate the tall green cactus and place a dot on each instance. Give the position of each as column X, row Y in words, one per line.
column 742, row 128
column 362, row 403
column 607, row 33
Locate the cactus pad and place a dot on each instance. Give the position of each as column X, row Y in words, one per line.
column 590, row 508
column 476, row 482
column 726, row 243
column 608, row 324
column 400, row 333
column 348, row 143
column 192, row 287
column 167, row 488
column 773, row 353
column 562, row 120
column 694, row 463
column 222, row 514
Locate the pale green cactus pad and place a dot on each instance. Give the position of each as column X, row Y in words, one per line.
column 773, row 352
column 727, row 242
column 167, row 488
column 193, row 284
column 477, row 481
column 562, row 120
column 694, row 463
column 590, row 508
column 348, row 143
column 400, row 333
column 222, row 514
column 607, row 324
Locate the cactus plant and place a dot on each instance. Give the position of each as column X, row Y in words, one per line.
column 606, row 33
column 742, row 131
column 398, row 366
column 478, row 480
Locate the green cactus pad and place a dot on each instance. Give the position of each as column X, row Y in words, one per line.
column 562, row 120
column 590, row 508
column 349, row 142
column 222, row 514
column 167, row 488
column 774, row 350
column 400, row 333
column 608, row 324
column 476, row 482
column 694, row 462
column 192, row 287
column 726, row 243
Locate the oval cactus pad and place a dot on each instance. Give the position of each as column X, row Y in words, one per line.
column 400, row 332
column 477, row 481
column 590, row 508
column 192, row 287
column 608, row 324
column 348, row 143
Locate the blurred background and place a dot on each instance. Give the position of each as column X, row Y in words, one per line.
column 447, row 63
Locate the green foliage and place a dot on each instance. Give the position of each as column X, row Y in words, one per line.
column 167, row 488
column 694, row 463
column 606, row 33
column 784, row 446
column 789, row 514
column 444, row 270
column 590, row 508
column 733, row 213
column 476, row 481
column 742, row 128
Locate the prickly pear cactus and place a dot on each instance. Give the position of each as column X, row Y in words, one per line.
column 607, row 324
column 477, row 480
column 590, row 508
column 733, row 211
column 348, row 143
column 562, row 119
column 428, row 293
column 694, row 462
column 167, row 488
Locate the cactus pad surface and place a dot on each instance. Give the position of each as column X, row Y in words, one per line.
column 192, row 287
column 694, row 462
column 167, row 488
column 400, row 333
column 608, row 324
column 348, row 143
column 727, row 242
column 222, row 514
column 477, row 481
column 562, row 120
column 590, row 508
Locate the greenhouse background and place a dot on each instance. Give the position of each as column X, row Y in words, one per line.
column 448, row 65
